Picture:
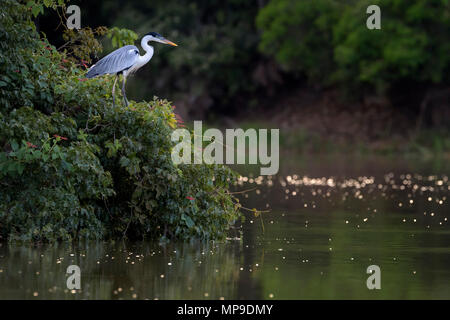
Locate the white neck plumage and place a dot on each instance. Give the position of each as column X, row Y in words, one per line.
column 142, row 60
column 148, row 50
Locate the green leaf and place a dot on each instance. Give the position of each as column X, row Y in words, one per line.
column 188, row 221
column 14, row 145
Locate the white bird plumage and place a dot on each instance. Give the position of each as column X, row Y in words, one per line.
column 126, row 60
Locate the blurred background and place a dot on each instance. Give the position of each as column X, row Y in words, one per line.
column 311, row 68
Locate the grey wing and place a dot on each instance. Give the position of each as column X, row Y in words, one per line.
column 118, row 60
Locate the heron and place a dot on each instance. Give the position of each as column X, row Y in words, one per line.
column 126, row 60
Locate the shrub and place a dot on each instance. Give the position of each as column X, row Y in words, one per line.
column 72, row 166
column 328, row 41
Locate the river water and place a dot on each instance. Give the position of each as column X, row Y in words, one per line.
column 329, row 219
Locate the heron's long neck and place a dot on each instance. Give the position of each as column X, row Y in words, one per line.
column 148, row 52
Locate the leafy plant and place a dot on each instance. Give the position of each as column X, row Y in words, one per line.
column 328, row 41
column 72, row 166
column 121, row 37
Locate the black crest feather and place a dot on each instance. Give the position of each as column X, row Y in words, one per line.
column 154, row 34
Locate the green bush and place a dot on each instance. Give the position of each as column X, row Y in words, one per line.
column 298, row 34
column 328, row 41
column 72, row 166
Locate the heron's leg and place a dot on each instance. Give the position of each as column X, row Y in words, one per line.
column 123, row 91
column 114, row 90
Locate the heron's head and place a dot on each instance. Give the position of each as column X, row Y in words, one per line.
column 153, row 36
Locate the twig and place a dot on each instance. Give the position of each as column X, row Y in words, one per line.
column 243, row 191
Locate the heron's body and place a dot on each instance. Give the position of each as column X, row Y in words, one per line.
column 126, row 60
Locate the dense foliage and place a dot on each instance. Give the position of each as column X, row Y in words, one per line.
column 329, row 42
column 71, row 166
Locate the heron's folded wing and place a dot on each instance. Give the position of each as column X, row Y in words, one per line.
column 118, row 60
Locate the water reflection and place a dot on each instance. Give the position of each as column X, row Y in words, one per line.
column 325, row 228
column 121, row 270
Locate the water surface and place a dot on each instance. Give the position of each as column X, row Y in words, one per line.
column 329, row 220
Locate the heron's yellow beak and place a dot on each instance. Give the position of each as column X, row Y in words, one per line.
column 171, row 43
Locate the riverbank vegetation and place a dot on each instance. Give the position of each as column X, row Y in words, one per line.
column 72, row 166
